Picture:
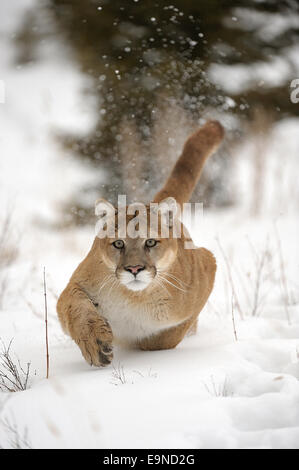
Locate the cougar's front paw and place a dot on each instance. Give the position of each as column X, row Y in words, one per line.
column 97, row 347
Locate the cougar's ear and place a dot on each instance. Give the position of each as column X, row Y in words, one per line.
column 168, row 208
column 103, row 208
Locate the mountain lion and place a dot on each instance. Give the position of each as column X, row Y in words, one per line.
column 144, row 292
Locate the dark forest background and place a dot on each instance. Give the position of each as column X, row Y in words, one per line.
column 148, row 62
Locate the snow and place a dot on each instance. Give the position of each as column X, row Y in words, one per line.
column 239, row 78
column 213, row 390
column 267, row 26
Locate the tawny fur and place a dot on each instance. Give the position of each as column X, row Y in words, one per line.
column 187, row 169
column 97, row 310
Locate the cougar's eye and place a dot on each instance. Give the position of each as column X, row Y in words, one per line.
column 150, row 243
column 119, row 244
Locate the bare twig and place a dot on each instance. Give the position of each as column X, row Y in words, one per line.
column 46, row 322
column 13, row 377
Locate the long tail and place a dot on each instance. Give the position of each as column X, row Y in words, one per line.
column 186, row 172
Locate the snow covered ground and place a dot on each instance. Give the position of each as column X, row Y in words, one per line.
column 232, row 385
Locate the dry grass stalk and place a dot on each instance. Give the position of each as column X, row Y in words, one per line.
column 260, row 264
column 243, row 283
column 149, row 374
column 118, row 375
column 283, row 278
column 233, row 320
column 46, row 323
column 13, row 377
column 219, row 389
column 16, row 440
column 227, row 263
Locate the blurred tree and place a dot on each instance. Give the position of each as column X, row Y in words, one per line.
column 144, row 55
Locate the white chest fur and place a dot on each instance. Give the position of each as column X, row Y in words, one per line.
column 131, row 321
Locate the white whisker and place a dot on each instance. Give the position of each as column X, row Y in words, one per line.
column 166, row 280
column 106, row 280
column 175, row 279
column 160, row 283
column 114, row 283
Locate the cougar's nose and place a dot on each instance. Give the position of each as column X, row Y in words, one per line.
column 134, row 269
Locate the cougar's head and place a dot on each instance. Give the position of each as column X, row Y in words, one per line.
column 136, row 242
